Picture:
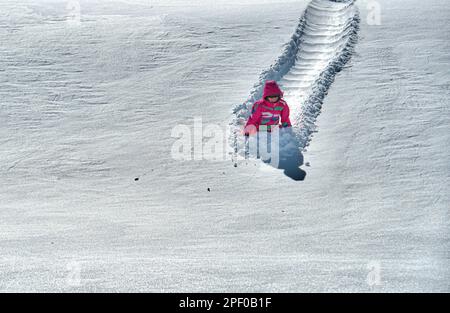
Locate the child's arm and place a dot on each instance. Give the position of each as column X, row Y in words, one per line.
column 253, row 121
column 285, row 121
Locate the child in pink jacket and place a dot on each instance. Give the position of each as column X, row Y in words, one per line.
column 269, row 111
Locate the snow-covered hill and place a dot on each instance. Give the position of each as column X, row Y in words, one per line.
column 92, row 200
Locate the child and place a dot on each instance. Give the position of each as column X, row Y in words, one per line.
column 268, row 111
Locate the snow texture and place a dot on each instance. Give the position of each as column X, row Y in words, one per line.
column 91, row 199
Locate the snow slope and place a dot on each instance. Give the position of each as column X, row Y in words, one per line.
column 87, row 108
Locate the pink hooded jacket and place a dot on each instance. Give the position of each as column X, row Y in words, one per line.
column 266, row 114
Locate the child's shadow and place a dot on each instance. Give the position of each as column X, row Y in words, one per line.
column 291, row 166
column 290, row 157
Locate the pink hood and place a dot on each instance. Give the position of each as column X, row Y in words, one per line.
column 271, row 88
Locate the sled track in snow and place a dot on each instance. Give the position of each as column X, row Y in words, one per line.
column 320, row 47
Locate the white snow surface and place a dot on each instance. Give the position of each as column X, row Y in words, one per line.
column 85, row 108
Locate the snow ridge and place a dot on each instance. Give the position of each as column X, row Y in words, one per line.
column 321, row 45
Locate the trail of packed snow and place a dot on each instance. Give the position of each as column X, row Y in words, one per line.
column 320, row 47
